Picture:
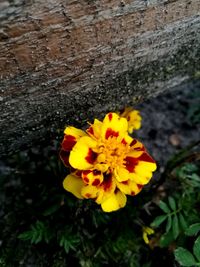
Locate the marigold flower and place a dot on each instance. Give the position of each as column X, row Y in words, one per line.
column 107, row 164
column 147, row 231
column 133, row 117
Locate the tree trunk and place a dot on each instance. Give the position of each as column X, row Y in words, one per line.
column 64, row 62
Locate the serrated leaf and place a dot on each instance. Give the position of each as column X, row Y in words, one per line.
column 193, row 229
column 25, row 235
column 195, row 177
column 158, row 220
column 166, row 239
column 169, row 223
column 164, row 207
column 172, row 203
column 182, row 222
column 196, row 248
column 184, row 257
column 175, row 226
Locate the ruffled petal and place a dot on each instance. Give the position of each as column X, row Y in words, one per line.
column 82, row 156
column 113, row 126
column 115, row 202
column 129, row 187
column 77, row 133
column 73, row 184
column 121, row 174
column 143, row 172
column 106, row 189
column 133, row 117
column 140, row 166
column 95, row 129
column 72, row 135
column 127, row 140
column 89, row 191
column 136, row 145
column 92, row 177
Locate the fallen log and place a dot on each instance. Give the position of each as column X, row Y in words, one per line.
column 64, row 62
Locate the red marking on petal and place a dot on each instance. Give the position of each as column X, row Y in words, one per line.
column 64, row 155
column 133, row 142
column 85, row 173
column 86, row 180
column 91, row 156
column 124, row 141
column 96, row 172
column 90, row 130
column 128, row 118
column 68, row 142
column 78, row 173
column 96, row 182
column 107, row 182
column 88, row 195
column 124, row 182
column 139, row 148
column 146, row 157
column 110, row 116
column 140, row 186
column 111, row 133
column 84, row 176
column 131, row 163
column 132, row 193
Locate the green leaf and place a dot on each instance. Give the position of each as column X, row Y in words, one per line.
column 196, row 248
column 193, row 229
column 166, row 239
column 175, row 226
column 184, row 257
column 172, row 203
column 37, row 233
column 164, row 207
column 158, row 220
column 25, row 235
column 169, row 223
column 195, row 177
column 182, row 222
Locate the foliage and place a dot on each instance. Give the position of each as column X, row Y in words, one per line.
column 43, row 225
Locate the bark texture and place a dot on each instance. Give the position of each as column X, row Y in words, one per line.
column 64, row 62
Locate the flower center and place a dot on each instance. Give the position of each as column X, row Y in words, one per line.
column 112, row 152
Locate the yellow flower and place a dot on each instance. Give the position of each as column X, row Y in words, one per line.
column 147, row 231
column 107, row 164
column 133, row 117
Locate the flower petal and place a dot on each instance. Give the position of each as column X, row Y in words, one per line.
column 129, row 187
column 82, row 156
column 133, row 117
column 89, row 191
column 106, row 189
column 113, row 126
column 136, row 145
column 95, row 129
column 92, row 177
column 74, row 185
column 121, row 174
column 77, row 133
column 115, row 202
column 143, row 172
column 72, row 135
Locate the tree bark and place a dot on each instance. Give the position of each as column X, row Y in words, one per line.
column 64, row 62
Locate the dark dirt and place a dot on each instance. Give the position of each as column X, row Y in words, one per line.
column 169, row 122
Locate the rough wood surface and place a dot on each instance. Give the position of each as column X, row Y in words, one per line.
column 66, row 61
